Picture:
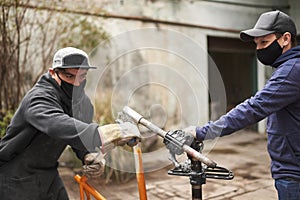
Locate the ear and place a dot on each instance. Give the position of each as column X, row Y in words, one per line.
column 54, row 75
column 286, row 39
column 51, row 72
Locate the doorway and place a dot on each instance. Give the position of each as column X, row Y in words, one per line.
column 236, row 62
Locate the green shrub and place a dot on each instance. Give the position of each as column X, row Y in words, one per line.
column 4, row 121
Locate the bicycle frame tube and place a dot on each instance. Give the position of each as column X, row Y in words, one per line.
column 140, row 172
column 87, row 189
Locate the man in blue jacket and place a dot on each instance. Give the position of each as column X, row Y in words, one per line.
column 56, row 112
column 275, row 37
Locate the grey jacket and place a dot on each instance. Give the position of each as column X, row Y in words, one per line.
column 45, row 122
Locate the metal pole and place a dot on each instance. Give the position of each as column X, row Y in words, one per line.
column 197, row 177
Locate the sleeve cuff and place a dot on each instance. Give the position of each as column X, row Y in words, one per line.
column 199, row 134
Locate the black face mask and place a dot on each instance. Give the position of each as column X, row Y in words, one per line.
column 72, row 91
column 268, row 55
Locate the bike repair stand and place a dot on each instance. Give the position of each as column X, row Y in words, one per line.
column 179, row 142
column 198, row 173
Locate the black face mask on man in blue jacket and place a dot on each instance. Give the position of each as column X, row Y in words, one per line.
column 268, row 55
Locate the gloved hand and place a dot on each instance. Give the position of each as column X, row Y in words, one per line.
column 119, row 134
column 94, row 164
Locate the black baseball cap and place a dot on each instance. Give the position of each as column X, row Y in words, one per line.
column 270, row 22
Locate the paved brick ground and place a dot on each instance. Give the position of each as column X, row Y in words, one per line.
column 244, row 153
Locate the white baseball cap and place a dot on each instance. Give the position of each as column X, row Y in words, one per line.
column 70, row 57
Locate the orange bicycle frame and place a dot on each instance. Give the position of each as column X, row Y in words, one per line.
column 86, row 189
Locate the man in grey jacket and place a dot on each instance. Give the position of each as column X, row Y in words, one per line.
column 56, row 112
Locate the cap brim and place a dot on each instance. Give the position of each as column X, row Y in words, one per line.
column 77, row 67
column 250, row 34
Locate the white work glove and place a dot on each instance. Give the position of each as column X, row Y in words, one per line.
column 94, row 164
column 118, row 135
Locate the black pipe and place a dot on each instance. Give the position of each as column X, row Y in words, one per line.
column 124, row 17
